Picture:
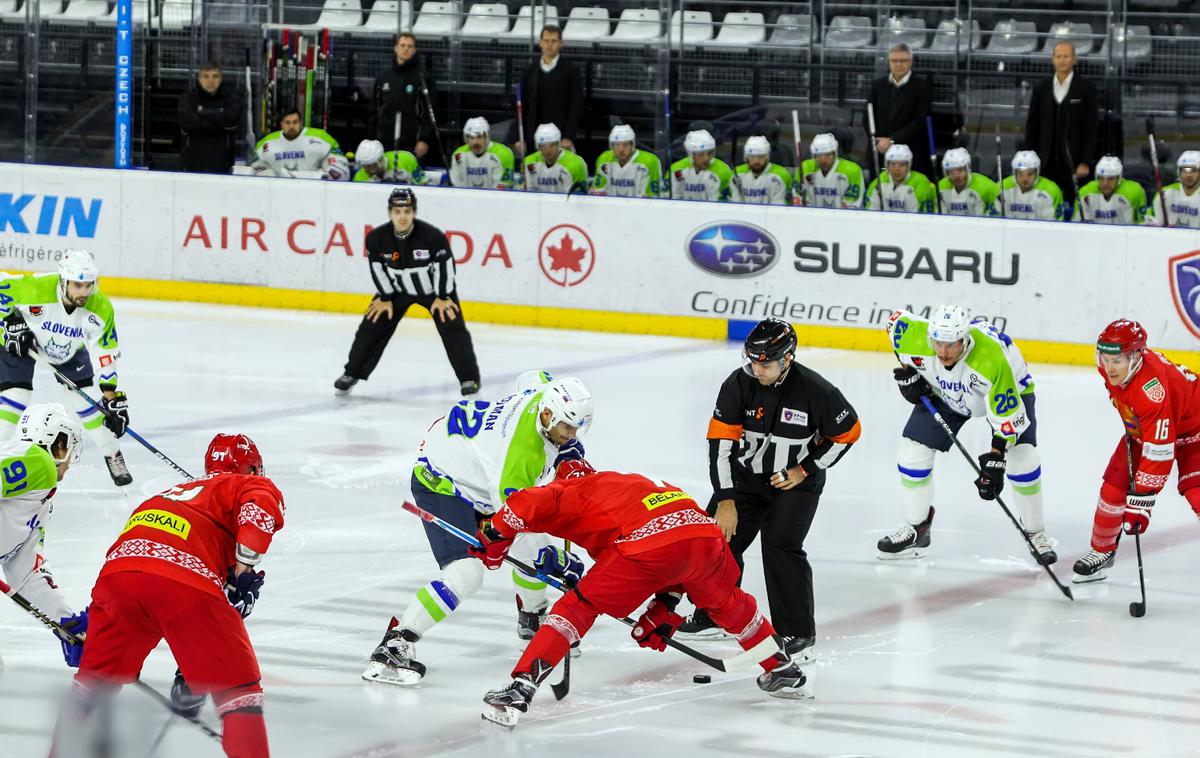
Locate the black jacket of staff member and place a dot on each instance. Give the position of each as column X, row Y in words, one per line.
column 776, row 428
column 1064, row 135
column 900, row 111
column 554, row 96
column 211, row 112
column 411, row 264
column 397, row 92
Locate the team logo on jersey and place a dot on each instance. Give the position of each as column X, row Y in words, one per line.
column 421, row 254
column 1155, row 391
column 732, row 249
column 35, row 310
column 790, row 416
column 1184, row 273
column 566, row 254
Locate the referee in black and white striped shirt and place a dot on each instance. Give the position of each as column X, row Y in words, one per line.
column 411, row 264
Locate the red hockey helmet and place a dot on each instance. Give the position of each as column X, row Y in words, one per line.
column 233, row 453
column 1121, row 336
column 572, row 469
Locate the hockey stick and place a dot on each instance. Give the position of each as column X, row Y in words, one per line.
column 437, row 134
column 74, row 639
column 1071, row 164
column 668, row 185
column 520, row 135
column 1136, row 609
column 937, row 187
column 1162, row 199
column 798, row 197
column 1000, row 172
column 250, row 141
column 875, row 154
column 327, row 73
column 37, row 355
column 975, row 466
column 733, row 663
column 561, row 689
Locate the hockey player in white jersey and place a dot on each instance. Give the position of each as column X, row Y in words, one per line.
column 701, row 175
column 1110, row 198
column 901, row 190
column 624, row 171
column 48, row 441
column 827, row 180
column 1027, row 194
column 1182, row 197
column 393, row 167
column 552, row 168
column 965, row 192
column 758, row 181
column 297, row 151
column 481, row 163
column 470, row 462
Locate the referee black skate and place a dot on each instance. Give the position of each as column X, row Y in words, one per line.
column 411, row 264
column 777, row 426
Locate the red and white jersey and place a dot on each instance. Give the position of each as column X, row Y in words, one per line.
column 1160, row 406
column 607, row 510
column 189, row 532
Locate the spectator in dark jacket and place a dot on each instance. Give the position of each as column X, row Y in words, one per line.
column 552, row 91
column 399, row 116
column 1062, row 124
column 902, row 101
column 210, row 114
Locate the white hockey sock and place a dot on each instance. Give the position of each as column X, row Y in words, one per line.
column 438, row 599
column 1025, row 475
column 915, row 462
column 93, row 424
column 12, row 404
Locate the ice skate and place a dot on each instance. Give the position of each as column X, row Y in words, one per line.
column 699, row 626
column 907, row 541
column 800, row 649
column 506, row 705
column 392, row 662
column 118, row 470
column 1093, row 567
column 787, row 681
column 343, row 384
column 1044, row 548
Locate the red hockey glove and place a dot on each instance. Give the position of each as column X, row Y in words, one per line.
column 1137, row 513
column 656, row 625
column 495, row 545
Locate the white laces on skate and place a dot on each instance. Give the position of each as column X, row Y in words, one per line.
column 1041, row 542
column 903, row 533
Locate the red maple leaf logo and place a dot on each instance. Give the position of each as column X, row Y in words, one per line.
column 566, row 255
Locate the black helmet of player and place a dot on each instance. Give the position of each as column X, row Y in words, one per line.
column 767, row 352
column 402, row 197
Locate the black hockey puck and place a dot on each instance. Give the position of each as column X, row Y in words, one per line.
column 701, row 679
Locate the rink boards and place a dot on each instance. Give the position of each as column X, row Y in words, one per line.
column 659, row 267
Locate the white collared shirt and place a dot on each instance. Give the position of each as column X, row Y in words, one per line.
column 548, row 67
column 902, row 82
column 1061, row 88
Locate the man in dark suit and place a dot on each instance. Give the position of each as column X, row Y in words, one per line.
column 902, row 102
column 552, row 90
column 1063, row 123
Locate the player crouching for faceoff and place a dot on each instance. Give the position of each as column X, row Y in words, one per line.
column 648, row 539
column 968, row 369
column 183, row 570
column 1159, row 403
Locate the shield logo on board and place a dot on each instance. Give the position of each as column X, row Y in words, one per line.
column 1185, row 288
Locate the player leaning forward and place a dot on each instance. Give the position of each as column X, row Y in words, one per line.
column 470, row 462
column 977, row 371
column 58, row 315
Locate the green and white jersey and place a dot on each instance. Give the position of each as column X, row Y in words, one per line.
column 771, row 187
column 641, row 176
column 30, row 477
column 567, row 175
column 312, row 150
column 492, row 170
column 915, row 195
column 401, row 168
column 1126, row 205
column 1183, row 210
column 59, row 334
column 977, row 197
column 485, row 451
column 1043, row 201
column 710, row 184
column 840, row 187
column 990, row 380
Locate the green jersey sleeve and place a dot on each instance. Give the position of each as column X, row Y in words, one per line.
column 654, row 187
column 525, row 459
column 1136, row 196
column 105, row 338
column 854, row 180
column 925, row 191
column 599, row 178
column 725, row 174
column 29, row 475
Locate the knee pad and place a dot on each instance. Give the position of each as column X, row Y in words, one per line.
column 915, row 462
column 1115, row 497
column 245, row 698
column 463, row 577
column 1025, row 469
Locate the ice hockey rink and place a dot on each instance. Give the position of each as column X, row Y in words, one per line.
column 970, row 652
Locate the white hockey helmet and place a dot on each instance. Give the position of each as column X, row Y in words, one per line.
column 476, row 127
column 1188, row 159
column 949, row 323
column 533, row 379
column 956, row 157
column 547, row 134
column 42, row 423
column 699, row 141
column 824, row 144
column 77, row 266
column 569, row 402
column 898, row 154
column 1026, row 160
column 369, row 152
column 622, row 133
column 756, row 145
column 1109, row 165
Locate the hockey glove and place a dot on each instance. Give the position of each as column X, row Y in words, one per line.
column 991, row 475
column 17, row 337
column 243, row 589
column 116, row 413
column 560, row 564
column 76, row 625
column 1137, row 512
column 495, row 545
column 571, row 450
column 911, row 385
column 183, row 701
column 656, row 625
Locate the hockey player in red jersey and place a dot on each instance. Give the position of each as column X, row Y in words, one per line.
column 1159, row 403
column 648, row 538
column 183, row 569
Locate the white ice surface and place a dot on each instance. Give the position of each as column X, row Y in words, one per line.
column 969, row 652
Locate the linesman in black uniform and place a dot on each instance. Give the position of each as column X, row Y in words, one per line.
column 777, row 426
column 411, row 264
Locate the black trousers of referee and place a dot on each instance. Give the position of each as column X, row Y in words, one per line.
column 783, row 517
column 373, row 336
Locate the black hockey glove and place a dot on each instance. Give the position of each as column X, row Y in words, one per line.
column 17, row 338
column 243, row 589
column 116, row 413
column 911, row 385
column 991, row 476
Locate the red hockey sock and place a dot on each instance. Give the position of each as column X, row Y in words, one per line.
column 1110, row 512
column 245, row 735
column 547, row 644
column 1193, row 498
